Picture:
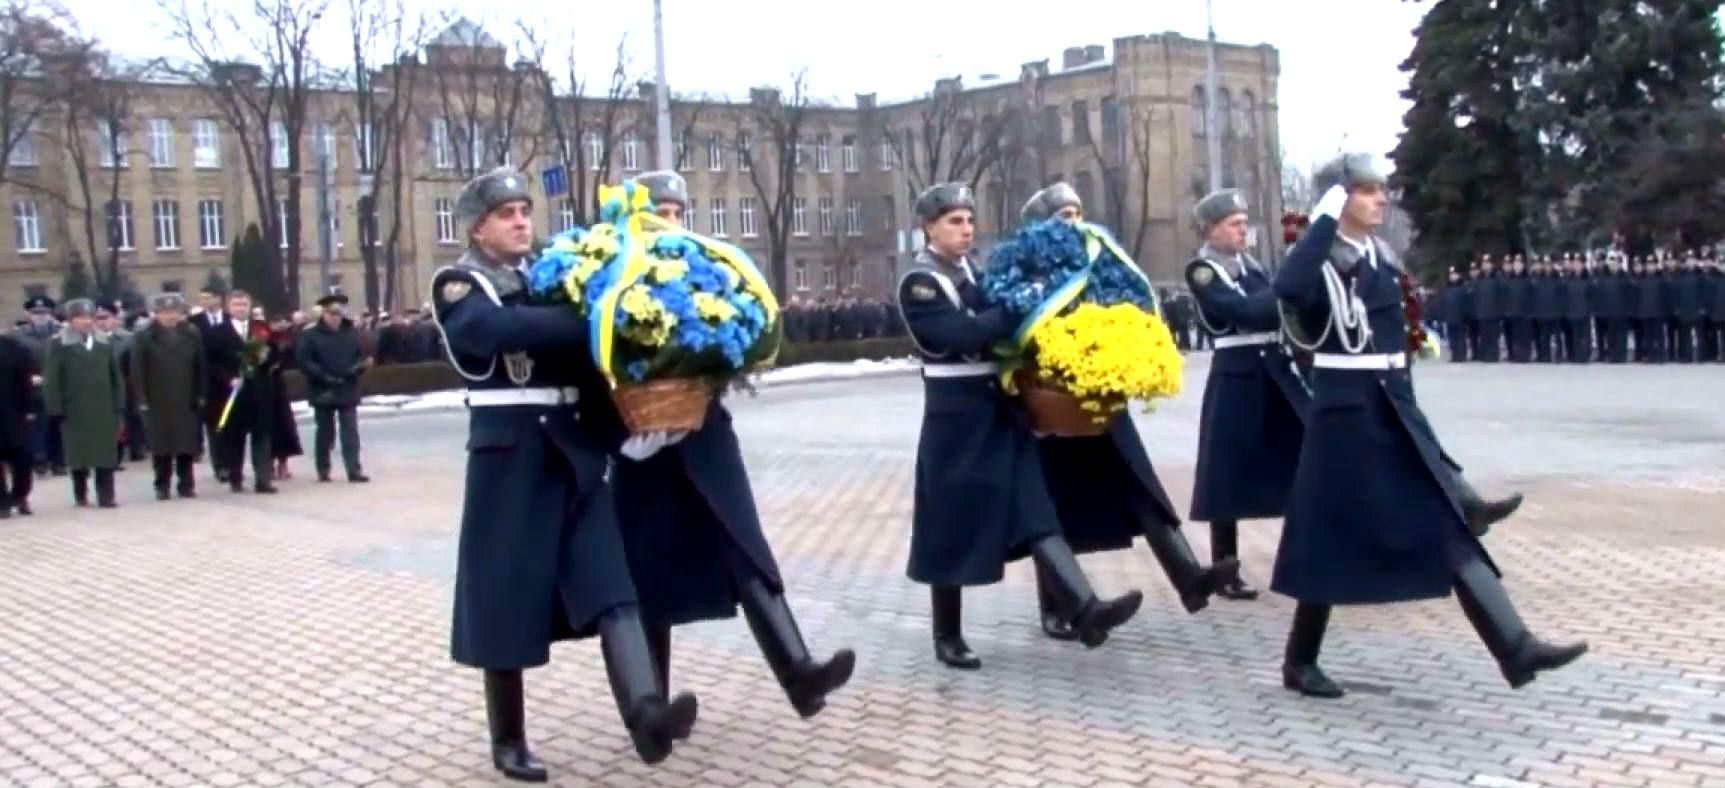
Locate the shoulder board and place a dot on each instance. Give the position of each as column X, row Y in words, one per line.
column 932, row 284
column 1202, row 271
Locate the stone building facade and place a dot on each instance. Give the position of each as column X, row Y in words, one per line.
column 1125, row 127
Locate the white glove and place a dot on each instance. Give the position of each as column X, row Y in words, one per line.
column 1331, row 203
column 640, row 447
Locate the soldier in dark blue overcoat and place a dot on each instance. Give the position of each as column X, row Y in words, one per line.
column 1376, row 515
column 981, row 496
column 1457, row 305
column 1106, row 491
column 1577, row 311
column 541, row 557
column 694, row 536
column 1714, row 328
column 1489, row 296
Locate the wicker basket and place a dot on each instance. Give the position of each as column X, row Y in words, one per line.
column 1055, row 412
column 670, row 405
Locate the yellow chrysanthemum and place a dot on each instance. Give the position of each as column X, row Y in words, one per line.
column 1105, row 355
column 711, row 307
column 664, row 271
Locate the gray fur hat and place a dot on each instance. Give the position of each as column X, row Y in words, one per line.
column 941, row 198
column 485, row 192
column 1219, row 205
column 1047, row 202
column 665, row 186
column 1349, row 171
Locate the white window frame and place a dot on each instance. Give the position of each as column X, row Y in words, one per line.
column 715, row 152
column 278, row 145
column 692, row 217
column 165, row 215
column 886, row 151
column 856, row 274
column 853, row 216
column 746, row 217
column 105, row 151
column 745, row 151
column 823, row 153
column 679, row 151
column 631, row 152
column 829, row 276
column 848, row 153
column 121, row 217
column 161, row 142
column 442, row 153
column 800, row 276
column 23, row 152
column 281, row 221
column 443, row 213
column 595, row 148
column 716, row 216
column 824, row 215
column 323, row 137
column 565, row 214
column 799, row 216
column 211, row 232
column 27, row 227
column 206, row 144
column 364, row 148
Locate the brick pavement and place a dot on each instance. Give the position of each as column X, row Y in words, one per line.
column 301, row 640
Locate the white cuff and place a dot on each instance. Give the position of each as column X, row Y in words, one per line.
column 1331, row 203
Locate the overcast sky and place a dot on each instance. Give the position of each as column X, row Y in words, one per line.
column 896, row 48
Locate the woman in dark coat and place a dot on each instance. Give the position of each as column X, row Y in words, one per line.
column 168, row 384
column 284, row 438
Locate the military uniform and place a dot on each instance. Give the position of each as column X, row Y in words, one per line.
column 1713, row 334
column 981, row 496
column 1456, row 305
column 48, row 450
column 1376, row 514
column 1105, row 489
column 693, row 536
column 541, row 557
column 1577, row 313
column 1489, row 296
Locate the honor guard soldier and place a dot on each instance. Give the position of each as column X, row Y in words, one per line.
column 981, row 497
column 1376, row 514
column 1255, row 400
column 1106, row 491
column 541, row 557
column 694, row 537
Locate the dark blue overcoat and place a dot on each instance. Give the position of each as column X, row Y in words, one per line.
column 540, row 556
column 1255, row 401
column 690, row 525
column 1374, row 515
column 981, row 498
column 1105, row 489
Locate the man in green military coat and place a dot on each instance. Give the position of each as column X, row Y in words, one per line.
column 168, row 380
column 85, row 401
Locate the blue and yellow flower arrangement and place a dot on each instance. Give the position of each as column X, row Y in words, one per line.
column 669, row 311
column 1090, row 336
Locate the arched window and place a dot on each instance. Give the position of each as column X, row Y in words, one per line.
column 1198, row 105
column 1224, row 111
column 1248, row 115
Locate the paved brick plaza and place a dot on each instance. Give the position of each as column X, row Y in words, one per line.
column 301, row 639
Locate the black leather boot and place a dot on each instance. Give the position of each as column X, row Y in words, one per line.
column 1053, row 625
column 946, row 604
column 1300, row 670
column 506, row 710
column 1480, row 513
column 186, row 487
column 1194, row 582
column 81, row 487
column 163, row 466
column 653, row 722
column 659, row 643
column 1093, row 618
column 807, row 682
column 1225, row 546
column 105, row 497
column 1520, row 655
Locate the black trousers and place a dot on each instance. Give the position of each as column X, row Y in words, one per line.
column 232, row 443
column 17, row 476
column 1459, row 342
column 1490, row 346
column 1683, row 344
column 1578, row 341
column 327, row 419
column 168, row 466
column 1545, row 341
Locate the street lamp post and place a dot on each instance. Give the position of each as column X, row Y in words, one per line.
column 1212, row 131
column 662, row 92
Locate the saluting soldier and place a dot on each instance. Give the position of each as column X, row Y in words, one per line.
column 981, row 496
column 694, row 536
column 541, row 557
column 1106, row 491
column 1255, row 402
column 1376, row 514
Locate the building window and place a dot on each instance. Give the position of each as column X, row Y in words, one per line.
column 278, row 145
column 1225, row 111
column 848, row 153
column 121, row 233
column 823, row 154
column 856, row 274
column 680, row 147
column 364, row 148
column 692, row 216
column 281, row 222
column 824, row 210
column 631, row 152
column 565, row 215
column 853, row 216
column 799, row 216
column 1051, row 125
column 887, row 219
column 166, row 217
column 335, row 223
column 717, row 216
column 800, row 276
column 206, row 144
column 323, row 144
column 1081, row 122
column 829, row 279
column 27, row 226
column 173, row 286
column 1248, row 123
column 442, row 154
column 797, row 152
column 109, row 141
column 745, row 144
column 211, row 234
column 444, row 210
column 503, row 145
column 1110, row 122
column 715, row 153
column 746, row 216
column 595, row 149
column 885, row 151
column 23, row 149
column 161, row 142
column 1200, row 121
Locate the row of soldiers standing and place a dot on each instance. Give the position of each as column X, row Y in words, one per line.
column 1650, row 310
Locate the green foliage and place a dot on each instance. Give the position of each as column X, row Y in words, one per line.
column 255, row 269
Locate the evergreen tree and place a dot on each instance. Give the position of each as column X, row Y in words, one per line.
column 76, row 281
column 252, row 272
column 1462, row 160
column 215, row 282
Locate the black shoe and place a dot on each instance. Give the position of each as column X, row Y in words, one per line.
column 323, row 476
column 517, row 763
column 1098, row 618
column 954, row 653
column 1237, row 589
column 108, row 505
column 1054, row 627
column 265, row 489
column 187, row 492
column 1213, row 581
column 357, row 478
column 162, row 494
column 23, row 509
column 1537, row 657
column 655, row 724
column 1310, row 681
column 815, row 680
column 1482, row 514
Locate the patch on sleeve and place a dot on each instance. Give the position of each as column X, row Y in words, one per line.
column 922, row 292
column 1202, row 275
column 455, row 290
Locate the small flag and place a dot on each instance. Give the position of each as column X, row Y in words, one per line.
column 228, row 409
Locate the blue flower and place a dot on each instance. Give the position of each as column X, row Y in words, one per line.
column 636, row 370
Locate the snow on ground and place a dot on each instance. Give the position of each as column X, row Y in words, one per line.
column 455, row 399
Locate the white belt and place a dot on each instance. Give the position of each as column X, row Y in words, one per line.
column 1370, row 361
column 1244, row 340
column 974, row 369
column 497, row 398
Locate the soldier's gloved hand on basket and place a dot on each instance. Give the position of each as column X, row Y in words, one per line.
column 646, row 444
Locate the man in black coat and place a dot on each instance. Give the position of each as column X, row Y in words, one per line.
column 1376, row 515
column 1577, row 311
column 1456, row 305
column 331, row 360
column 1713, row 333
column 1490, row 294
column 1683, row 294
column 241, row 363
column 1609, row 295
column 19, row 377
column 541, row 557
column 1547, row 309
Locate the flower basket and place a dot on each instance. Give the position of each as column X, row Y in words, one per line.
column 1054, row 411
column 664, row 405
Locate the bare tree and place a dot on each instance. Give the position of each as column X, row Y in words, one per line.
column 1139, row 135
column 383, row 36
column 35, row 41
column 781, row 119
column 97, row 133
column 584, row 129
column 264, row 104
column 480, row 109
column 1297, row 191
column 949, row 141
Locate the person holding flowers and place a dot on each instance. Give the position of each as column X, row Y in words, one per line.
column 541, row 556
column 690, row 524
column 1375, row 515
column 981, row 497
column 1103, row 484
